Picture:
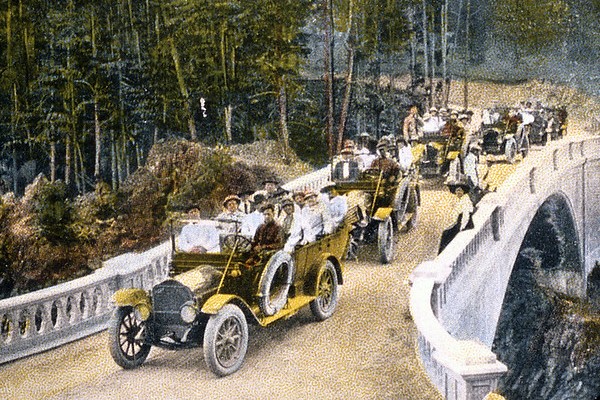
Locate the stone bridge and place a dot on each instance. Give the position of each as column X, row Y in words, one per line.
column 456, row 299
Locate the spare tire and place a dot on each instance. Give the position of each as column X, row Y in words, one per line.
column 275, row 283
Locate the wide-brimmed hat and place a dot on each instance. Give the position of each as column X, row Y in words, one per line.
column 231, row 197
column 365, row 134
column 463, row 116
column 433, row 109
column 383, row 144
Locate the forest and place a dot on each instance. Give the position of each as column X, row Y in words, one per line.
column 101, row 100
column 88, row 87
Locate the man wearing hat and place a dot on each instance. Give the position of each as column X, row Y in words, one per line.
column 411, row 127
column 273, row 192
column 231, row 217
column 388, row 167
column 346, row 170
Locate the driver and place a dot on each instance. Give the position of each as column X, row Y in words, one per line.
column 388, row 167
column 269, row 235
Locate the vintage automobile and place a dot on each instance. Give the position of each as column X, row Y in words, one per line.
column 385, row 206
column 210, row 299
column 439, row 148
column 500, row 133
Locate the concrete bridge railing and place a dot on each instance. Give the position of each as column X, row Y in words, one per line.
column 48, row 318
column 456, row 298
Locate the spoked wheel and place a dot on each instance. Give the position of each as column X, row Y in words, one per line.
column 126, row 338
column 226, row 340
column 400, row 212
column 385, row 240
column 510, row 150
column 414, row 208
column 525, row 146
column 324, row 305
column 243, row 243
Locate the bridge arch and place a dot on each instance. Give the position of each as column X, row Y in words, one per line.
column 457, row 298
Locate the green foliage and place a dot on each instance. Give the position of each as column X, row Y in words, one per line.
column 532, row 24
column 52, row 211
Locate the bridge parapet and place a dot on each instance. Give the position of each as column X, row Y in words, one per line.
column 456, row 299
column 48, row 318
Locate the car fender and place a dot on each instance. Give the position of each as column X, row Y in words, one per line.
column 382, row 213
column 135, row 297
column 217, row 301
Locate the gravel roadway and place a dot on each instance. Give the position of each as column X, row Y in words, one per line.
column 366, row 350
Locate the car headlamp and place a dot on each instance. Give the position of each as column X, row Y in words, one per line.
column 188, row 312
column 141, row 311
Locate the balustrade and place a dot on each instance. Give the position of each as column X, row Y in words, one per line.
column 433, row 282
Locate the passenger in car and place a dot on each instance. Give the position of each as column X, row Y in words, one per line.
column 337, row 208
column 346, row 170
column 252, row 221
column 387, row 166
column 286, row 219
column 231, row 217
column 309, row 225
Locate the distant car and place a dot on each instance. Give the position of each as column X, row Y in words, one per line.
column 500, row 133
column 211, row 297
column 438, row 149
column 388, row 206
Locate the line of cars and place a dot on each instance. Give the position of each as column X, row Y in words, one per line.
column 504, row 130
column 211, row 297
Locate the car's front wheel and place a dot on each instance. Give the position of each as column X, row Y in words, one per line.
column 226, row 340
column 325, row 304
column 385, row 240
column 126, row 338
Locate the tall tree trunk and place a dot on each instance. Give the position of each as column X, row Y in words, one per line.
column 446, row 87
column 467, row 57
column 97, row 140
column 67, row 160
column 283, row 128
column 183, row 89
column 228, row 116
column 113, row 161
column 425, row 45
column 349, row 75
column 52, row 161
column 413, row 47
column 328, row 76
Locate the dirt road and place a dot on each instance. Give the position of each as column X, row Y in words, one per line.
column 367, row 350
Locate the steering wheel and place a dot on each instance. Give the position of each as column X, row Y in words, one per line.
column 244, row 244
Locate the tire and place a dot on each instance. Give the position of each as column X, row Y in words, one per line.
column 413, row 222
column 226, row 340
column 385, row 240
column 525, row 146
column 400, row 212
column 510, row 150
column 328, row 293
column 126, row 335
column 275, row 283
